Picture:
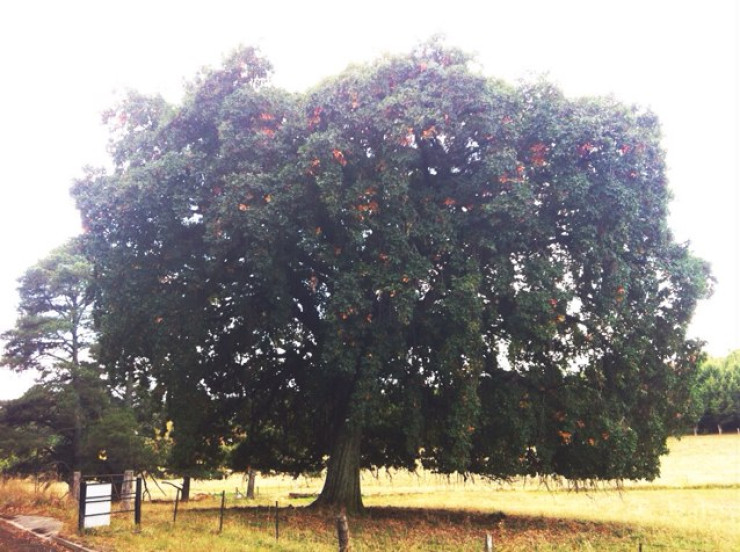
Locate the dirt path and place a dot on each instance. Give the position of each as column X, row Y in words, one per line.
column 15, row 540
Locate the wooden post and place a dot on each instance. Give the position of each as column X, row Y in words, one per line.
column 177, row 501
column 343, row 532
column 277, row 521
column 76, row 485
column 489, row 542
column 137, row 503
column 221, row 517
column 127, row 490
column 82, row 508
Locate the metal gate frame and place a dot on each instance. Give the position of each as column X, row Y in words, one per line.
column 84, row 500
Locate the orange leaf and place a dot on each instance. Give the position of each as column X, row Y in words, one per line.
column 409, row 138
column 538, row 151
column 339, row 157
column 586, row 148
column 313, row 167
column 315, row 117
column 313, row 283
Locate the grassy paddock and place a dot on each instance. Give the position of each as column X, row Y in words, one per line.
column 695, row 505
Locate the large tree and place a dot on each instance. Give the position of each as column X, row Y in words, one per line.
column 411, row 262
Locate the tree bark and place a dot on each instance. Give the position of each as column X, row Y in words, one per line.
column 185, row 493
column 342, row 486
column 251, row 476
column 343, row 532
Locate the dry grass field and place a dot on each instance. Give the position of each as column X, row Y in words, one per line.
column 695, row 505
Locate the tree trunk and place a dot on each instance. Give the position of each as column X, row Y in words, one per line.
column 251, row 476
column 343, row 532
column 342, row 485
column 185, row 493
column 78, row 426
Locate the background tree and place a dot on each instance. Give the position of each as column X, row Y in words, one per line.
column 718, row 394
column 411, row 262
column 52, row 334
column 64, row 423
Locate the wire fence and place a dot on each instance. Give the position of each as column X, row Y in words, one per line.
column 230, row 511
column 284, row 521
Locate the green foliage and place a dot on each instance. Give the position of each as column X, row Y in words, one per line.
column 54, row 324
column 475, row 276
column 61, row 426
column 41, row 431
column 718, row 393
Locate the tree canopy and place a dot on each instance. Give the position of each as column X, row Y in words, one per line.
column 410, row 263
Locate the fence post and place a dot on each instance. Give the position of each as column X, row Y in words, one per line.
column 221, row 515
column 177, row 501
column 127, row 489
column 277, row 521
column 489, row 542
column 76, row 476
column 137, row 503
column 81, row 506
column 343, row 531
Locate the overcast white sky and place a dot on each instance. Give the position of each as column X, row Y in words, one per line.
column 63, row 62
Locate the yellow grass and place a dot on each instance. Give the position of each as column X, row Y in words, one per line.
column 694, row 505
